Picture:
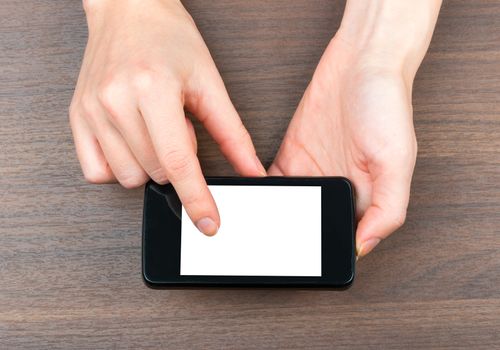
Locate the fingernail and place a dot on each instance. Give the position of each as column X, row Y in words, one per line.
column 207, row 226
column 368, row 246
column 262, row 171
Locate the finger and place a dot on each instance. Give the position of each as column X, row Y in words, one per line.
column 274, row 170
column 122, row 162
column 95, row 168
column 387, row 211
column 213, row 107
column 126, row 118
column 293, row 160
column 192, row 134
column 169, row 130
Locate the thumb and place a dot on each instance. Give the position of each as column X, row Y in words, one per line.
column 387, row 211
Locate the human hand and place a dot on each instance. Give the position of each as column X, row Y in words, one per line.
column 355, row 118
column 355, row 121
column 144, row 62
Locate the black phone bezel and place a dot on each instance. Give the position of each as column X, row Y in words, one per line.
column 161, row 251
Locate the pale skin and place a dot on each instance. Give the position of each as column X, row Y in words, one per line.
column 146, row 63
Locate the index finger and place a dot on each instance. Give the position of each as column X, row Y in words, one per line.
column 163, row 113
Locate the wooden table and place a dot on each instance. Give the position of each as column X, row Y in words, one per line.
column 70, row 253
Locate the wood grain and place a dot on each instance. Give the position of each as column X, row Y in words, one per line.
column 70, row 252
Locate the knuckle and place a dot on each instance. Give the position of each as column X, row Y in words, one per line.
column 177, row 164
column 88, row 106
column 159, row 176
column 143, row 80
column 96, row 175
column 133, row 181
column 110, row 95
column 191, row 198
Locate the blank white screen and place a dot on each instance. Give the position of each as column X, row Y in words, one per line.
column 265, row 231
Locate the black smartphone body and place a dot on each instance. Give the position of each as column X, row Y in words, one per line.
column 275, row 232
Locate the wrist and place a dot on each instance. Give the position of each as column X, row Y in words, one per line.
column 388, row 35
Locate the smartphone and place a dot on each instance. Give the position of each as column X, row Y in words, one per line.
column 274, row 232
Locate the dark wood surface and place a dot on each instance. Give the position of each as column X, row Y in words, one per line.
column 70, row 268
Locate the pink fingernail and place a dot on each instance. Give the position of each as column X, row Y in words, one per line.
column 368, row 246
column 207, row 226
